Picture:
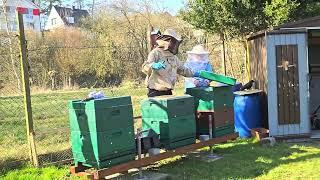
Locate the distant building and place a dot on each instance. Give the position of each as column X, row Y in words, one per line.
column 30, row 11
column 61, row 17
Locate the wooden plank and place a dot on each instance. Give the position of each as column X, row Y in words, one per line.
column 280, row 84
column 78, row 169
column 291, row 92
column 264, row 65
column 258, row 65
column 99, row 174
column 287, row 90
column 296, row 126
column 285, row 85
column 272, row 86
column 280, row 40
column 263, row 83
column 80, row 173
column 296, row 85
column 260, row 71
column 303, row 84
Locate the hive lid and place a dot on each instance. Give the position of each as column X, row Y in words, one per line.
column 248, row 92
column 170, row 97
column 218, row 78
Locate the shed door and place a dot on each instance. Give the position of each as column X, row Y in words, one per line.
column 288, row 84
column 288, row 106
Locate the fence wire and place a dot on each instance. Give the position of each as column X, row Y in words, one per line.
column 13, row 135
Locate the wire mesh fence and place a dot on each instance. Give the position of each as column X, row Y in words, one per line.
column 66, row 65
column 13, row 135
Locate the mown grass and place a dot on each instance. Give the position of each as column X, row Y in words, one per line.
column 51, row 123
column 245, row 159
column 30, row 173
column 242, row 159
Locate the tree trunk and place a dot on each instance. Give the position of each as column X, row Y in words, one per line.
column 92, row 10
column 53, row 83
column 223, row 54
column 229, row 59
column 64, row 81
column 69, row 81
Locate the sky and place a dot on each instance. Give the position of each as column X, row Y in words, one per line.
column 173, row 6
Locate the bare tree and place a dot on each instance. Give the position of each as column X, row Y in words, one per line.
column 9, row 38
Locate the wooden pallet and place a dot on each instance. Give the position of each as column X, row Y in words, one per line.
column 102, row 173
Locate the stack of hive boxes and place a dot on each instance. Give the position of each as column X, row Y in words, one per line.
column 217, row 102
column 102, row 132
column 172, row 118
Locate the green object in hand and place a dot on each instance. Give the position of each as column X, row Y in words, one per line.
column 217, row 78
column 158, row 65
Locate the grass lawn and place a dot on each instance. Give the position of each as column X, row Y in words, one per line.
column 242, row 159
column 51, row 123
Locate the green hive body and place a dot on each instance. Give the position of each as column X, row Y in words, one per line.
column 218, row 78
column 211, row 98
column 217, row 102
column 170, row 117
column 102, row 132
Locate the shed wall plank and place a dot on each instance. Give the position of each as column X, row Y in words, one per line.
column 303, row 84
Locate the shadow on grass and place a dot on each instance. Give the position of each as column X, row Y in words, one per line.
column 60, row 157
column 241, row 160
column 11, row 164
column 56, row 158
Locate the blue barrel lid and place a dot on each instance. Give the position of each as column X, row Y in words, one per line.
column 248, row 92
column 221, row 85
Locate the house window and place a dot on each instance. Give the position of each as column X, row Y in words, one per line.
column 13, row 26
column 54, row 21
column 29, row 25
column 10, row 9
column 70, row 20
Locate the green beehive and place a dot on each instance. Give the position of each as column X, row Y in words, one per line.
column 224, row 130
column 221, row 120
column 102, row 132
column 211, row 98
column 172, row 118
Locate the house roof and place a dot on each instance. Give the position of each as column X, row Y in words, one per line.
column 77, row 14
column 32, row 4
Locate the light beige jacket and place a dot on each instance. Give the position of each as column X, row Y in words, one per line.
column 164, row 79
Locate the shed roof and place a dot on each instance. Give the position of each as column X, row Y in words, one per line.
column 300, row 26
column 307, row 22
column 276, row 31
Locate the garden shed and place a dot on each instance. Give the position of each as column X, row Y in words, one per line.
column 285, row 63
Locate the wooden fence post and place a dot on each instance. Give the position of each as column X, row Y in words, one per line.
column 26, row 90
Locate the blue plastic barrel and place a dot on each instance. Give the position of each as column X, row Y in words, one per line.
column 247, row 112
